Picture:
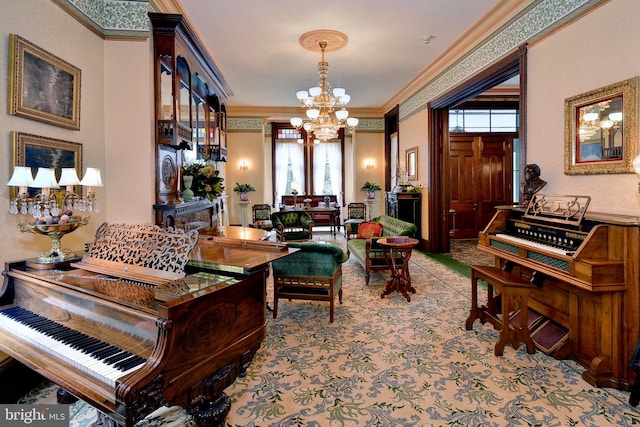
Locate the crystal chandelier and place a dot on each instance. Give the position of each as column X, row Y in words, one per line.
column 325, row 107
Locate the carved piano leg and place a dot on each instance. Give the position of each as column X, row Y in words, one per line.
column 212, row 405
column 213, row 412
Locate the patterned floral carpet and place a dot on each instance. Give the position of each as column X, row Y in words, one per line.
column 389, row 362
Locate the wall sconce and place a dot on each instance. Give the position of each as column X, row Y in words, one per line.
column 369, row 164
column 244, row 166
column 44, row 203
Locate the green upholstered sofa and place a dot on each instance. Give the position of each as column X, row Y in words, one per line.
column 369, row 253
column 314, row 273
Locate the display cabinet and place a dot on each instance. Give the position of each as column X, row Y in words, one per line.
column 190, row 103
column 406, row 206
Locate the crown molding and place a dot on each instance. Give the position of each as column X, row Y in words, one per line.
column 535, row 21
column 111, row 19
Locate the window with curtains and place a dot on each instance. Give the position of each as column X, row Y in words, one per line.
column 308, row 167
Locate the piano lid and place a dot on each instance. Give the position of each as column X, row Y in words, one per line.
column 562, row 209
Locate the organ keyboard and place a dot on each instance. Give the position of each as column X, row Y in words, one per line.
column 127, row 330
column 585, row 265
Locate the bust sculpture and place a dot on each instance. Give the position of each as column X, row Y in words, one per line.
column 532, row 182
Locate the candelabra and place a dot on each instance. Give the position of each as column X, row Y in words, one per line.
column 54, row 214
column 44, row 203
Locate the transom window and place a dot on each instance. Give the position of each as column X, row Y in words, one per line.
column 484, row 120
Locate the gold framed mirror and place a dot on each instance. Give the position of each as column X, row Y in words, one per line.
column 412, row 164
column 601, row 130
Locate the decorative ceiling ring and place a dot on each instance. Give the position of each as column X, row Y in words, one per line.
column 335, row 40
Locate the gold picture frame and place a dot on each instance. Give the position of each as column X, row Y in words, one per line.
column 42, row 86
column 601, row 130
column 412, row 163
column 40, row 151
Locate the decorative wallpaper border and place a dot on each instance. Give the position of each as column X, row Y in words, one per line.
column 111, row 18
column 533, row 22
column 254, row 124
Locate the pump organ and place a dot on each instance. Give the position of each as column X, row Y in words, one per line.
column 587, row 277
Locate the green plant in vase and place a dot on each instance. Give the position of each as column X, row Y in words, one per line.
column 370, row 188
column 243, row 190
column 205, row 182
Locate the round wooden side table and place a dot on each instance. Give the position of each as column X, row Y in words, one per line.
column 397, row 252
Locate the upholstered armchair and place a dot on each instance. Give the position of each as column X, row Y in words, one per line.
column 313, row 273
column 292, row 225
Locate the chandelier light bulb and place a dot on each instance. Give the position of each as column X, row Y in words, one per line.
column 352, row 122
column 342, row 114
column 313, row 113
column 315, row 91
column 616, row 117
column 338, row 92
column 296, row 122
column 302, row 95
column 590, row 116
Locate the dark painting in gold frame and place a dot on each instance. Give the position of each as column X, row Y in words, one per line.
column 40, row 151
column 42, row 86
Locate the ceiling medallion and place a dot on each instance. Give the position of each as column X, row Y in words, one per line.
column 335, row 40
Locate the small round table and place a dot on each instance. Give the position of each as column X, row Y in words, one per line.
column 395, row 249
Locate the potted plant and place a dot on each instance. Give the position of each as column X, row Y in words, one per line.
column 243, row 190
column 370, row 188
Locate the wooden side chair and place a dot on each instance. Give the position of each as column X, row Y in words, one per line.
column 262, row 216
column 356, row 215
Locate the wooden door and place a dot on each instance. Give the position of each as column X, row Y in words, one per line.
column 495, row 177
column 462, row 197
column 480, row 178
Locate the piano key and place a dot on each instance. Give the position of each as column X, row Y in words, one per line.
column 534, row 245
column 98, row 359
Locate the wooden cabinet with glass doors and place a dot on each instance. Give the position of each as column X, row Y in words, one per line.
column 190, row 103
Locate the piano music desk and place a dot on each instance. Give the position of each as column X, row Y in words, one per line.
column 513, row 292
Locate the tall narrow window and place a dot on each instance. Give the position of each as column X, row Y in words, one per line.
column 307, row 167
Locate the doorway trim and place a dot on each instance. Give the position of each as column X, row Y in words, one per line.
column 439, row 219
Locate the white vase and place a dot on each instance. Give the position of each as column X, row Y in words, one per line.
column 187, row 193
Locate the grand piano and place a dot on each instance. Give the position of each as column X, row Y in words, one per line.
column 586, row 268
column 148, row 317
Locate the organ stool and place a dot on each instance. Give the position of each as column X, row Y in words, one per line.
column 511, row 295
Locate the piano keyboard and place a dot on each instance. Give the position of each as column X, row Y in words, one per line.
column 535, row 245
column 101, row 360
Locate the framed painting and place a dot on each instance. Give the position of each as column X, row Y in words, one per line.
column 412, row 164
column 42, row 86
column 38, row 151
